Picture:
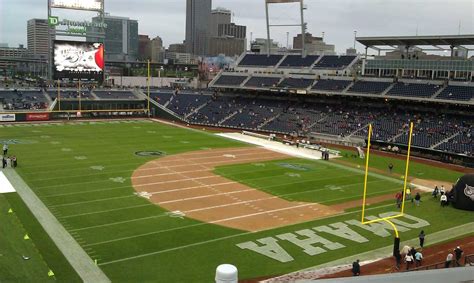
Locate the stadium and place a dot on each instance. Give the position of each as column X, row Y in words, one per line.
column 282, row 166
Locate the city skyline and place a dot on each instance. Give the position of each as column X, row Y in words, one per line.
column 167, row 18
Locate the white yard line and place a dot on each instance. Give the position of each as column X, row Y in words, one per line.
column 218, row 239
column 106, row 211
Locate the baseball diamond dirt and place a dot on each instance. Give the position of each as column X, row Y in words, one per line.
column 186, row 185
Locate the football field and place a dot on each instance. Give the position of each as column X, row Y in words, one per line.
column 152, row 202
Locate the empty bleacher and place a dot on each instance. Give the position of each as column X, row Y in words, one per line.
column 414, row 90
column 263, row 82
column 296, row 83
column 226, row 80
column 111, row 94
column 297, row 61
column 334, row 62
column 371, row 87
column 331, row 85
column 457, row 93
column 260, row 60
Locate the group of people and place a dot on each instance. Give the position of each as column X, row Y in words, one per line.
column 408, row 197
column 444, row 200
column 458, row 252
column 9, row 161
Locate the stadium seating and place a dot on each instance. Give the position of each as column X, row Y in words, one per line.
column 18, row 99
column 462, row 143
column 414, row 90
column 264, row 82
column 260, row 60
column 115, row 94
column 184, row 103
column 331, row 85
column 334, row 62
column 369, row 87
column 457, row 93
column 70, row 94
column 230, row 80
column 296, row 83
column 297, row 61
column 161, row 97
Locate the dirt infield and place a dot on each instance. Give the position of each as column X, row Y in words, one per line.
column 185, row 184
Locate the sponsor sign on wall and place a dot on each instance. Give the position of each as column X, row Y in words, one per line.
column 90, row 5
column 37, row 117
column 7, row 118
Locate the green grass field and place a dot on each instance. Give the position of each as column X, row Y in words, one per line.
column 82, row 172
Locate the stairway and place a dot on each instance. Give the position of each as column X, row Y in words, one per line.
column 227, row 118
column 268, row 121
column 446, row 140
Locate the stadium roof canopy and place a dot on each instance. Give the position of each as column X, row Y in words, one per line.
column 435, row 41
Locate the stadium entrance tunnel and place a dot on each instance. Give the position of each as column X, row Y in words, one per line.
column 462, row 194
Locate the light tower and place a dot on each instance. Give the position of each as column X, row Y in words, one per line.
column 302, row 24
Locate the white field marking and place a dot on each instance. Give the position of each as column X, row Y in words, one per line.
column 80, row 157
column 185, row 142
column 165, row 174
column 45, row 137
column 145, row 195
column 207, row 196
column 55, row 142
column 99, row 181
column 190, row 211
column 204, row 223
column 86, row 192
column 219, row 239
column 293, row 175
column 144, row 169
column 109, row 154
column 98, row 168
column 118, row 180
column 195, row 187
column 106, row 211
column 90, row 201
column 176, row 181
column 337, row 199
column 151, row 132
column 66, row 149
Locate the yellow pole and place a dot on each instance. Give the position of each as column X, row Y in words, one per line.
column 366, row 171
column 79, row 86
column 148, row 87
column 406, row 166
column 59, row 94
column 394, row 227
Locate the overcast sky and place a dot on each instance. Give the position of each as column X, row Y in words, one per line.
column 336, row 18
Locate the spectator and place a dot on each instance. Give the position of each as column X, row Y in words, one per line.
column 421, row 237
column 458, row 252
column 435, row 192
column 408, row 194
column 408, row 260
column 448, row 261
column 356, row 268
column 390, row 167
column 399, row 197
column 442, row 190
column 5, row 149
column 444, row 200
column 14, row 162
column 417, row 199
column 418, row 258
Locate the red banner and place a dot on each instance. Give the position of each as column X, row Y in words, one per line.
column 37, row 117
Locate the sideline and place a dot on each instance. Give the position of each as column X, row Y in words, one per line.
column 76, row 256
column 381, row 253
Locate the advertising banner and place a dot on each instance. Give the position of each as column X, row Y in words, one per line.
column 37, row 117
column 7, row 118
column 78, row 60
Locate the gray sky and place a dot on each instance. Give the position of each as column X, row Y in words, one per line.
column 337, row 18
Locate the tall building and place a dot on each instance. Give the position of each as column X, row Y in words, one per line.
column 11, row 53
column 218, row 16
column 157, row 50
column 144, row 47
column 226, row 37
column 37, row 38
column 313, row 45
column 198, row 14
column 121, row 38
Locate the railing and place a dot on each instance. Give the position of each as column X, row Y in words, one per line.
column 468, row 260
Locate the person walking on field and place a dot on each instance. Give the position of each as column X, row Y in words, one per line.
column 390, row 168
column 444, row 200
column 418, row 258
column 417, row 199
column 356, row 268
column 421, row 237
column 409, row 260
column 5, row 149
column 399, row 197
